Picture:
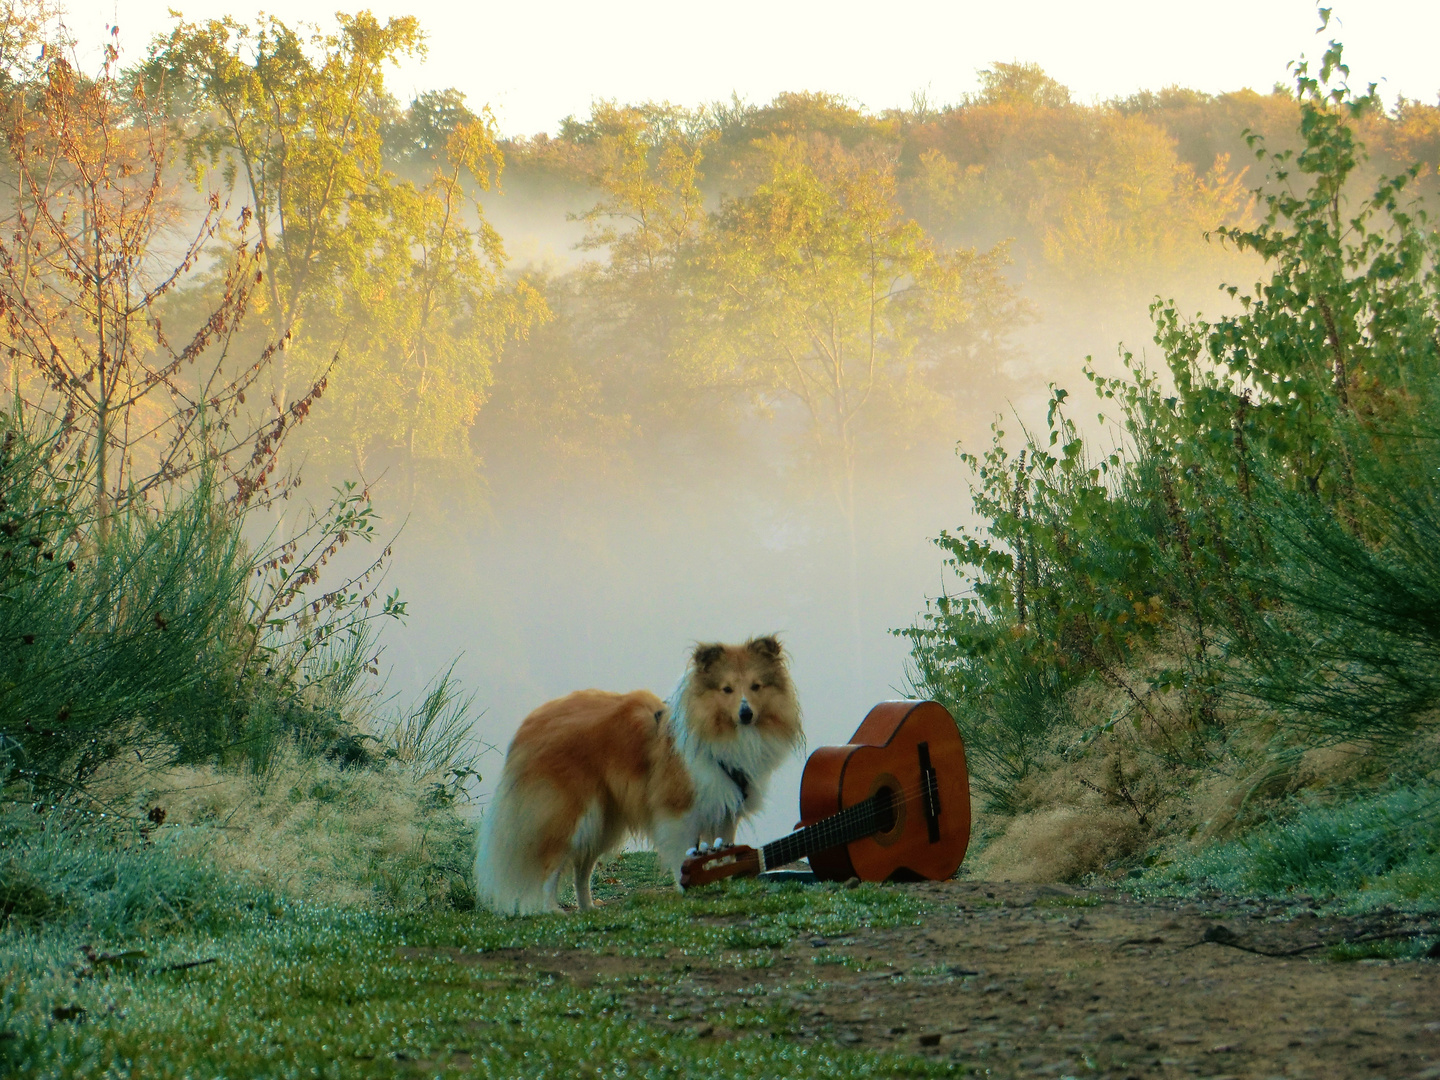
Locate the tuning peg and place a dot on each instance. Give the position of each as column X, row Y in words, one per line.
column 692, row 852
column 704, row 848
column 719, row 843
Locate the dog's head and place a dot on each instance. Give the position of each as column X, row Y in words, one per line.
column 732, row 690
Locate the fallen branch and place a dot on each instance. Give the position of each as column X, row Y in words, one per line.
column 187, row 965
column 1223, row 935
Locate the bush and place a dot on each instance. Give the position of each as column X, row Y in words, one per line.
column 1258, row 554
column 116, row 638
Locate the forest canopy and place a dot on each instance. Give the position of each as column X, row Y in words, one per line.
column 848, row 272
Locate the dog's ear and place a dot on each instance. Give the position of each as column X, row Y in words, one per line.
column 767, row 647
column 706, row 655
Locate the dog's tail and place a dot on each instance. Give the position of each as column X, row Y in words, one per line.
column 510, row 873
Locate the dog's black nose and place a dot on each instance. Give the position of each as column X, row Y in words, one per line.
column 746, row 713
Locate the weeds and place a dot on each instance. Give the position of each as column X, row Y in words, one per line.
column 113, row 644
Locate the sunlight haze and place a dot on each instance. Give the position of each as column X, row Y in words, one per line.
column 536, row 64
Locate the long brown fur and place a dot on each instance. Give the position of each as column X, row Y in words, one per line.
column 589, row 769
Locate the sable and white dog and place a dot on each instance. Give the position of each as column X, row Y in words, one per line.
column 591, row 768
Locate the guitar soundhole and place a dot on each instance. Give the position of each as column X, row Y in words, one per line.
column 885, row 810
column 891, row 810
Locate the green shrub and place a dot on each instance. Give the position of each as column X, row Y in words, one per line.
column 1353, row 649
column 115, row 640
column 1259, row 549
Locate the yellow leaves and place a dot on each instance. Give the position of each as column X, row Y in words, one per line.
column 472, row 147
column 1127, row 206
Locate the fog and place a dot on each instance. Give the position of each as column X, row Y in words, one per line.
column 606, row 575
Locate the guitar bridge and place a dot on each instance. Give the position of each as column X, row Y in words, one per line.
column 929, row 794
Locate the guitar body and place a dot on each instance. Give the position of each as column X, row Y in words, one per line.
column 888, row 752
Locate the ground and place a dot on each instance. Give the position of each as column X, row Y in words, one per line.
column 751, row 979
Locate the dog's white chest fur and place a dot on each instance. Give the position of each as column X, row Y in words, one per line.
column 730, row 777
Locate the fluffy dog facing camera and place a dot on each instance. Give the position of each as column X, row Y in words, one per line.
column 588, row 770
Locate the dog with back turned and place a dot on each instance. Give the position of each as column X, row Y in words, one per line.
column 588, row 770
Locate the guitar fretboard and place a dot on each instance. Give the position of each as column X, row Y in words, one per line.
column 863, row 819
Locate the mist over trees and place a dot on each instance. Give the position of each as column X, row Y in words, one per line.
column 862, row 277
column 786, row 313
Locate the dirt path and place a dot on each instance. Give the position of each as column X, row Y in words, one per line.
column 1054, row 981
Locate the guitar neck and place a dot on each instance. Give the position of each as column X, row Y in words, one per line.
column 854, row 823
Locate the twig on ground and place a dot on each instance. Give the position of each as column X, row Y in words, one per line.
column 1222, row 935
column 188, row 964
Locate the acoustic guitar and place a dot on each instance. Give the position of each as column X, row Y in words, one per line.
column 893, row 804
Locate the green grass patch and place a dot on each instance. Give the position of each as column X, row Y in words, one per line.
column 737, row 916
column 1362, row 852
column 301, row 990
column 68, row 869
column 1399, row 949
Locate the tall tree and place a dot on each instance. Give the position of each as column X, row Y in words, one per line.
column 646, row 163
column 291, row 117
column 396, row 285
column 818, row 290
column 427, row 317
column 822, row 291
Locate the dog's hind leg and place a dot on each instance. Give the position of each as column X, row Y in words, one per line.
column 594, row 836
column 584, row 871
column 552, row 887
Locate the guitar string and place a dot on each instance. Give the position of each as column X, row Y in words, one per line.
column 834, row 829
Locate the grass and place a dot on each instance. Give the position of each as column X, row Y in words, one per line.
column 64, row 869
column 1374, row 850
column 298, row 989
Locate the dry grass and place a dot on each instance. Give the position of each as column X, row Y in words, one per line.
column 1120, row 789
column 1062, row 844
column 309, row 829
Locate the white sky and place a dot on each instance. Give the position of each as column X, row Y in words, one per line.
column 537, row 62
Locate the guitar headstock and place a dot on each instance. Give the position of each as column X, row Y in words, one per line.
column 726, row 862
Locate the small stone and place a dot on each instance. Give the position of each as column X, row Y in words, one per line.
column 1220, row 934
column 818, row 942
column 931, row 1039
column 705, row 1032
column 851, row 1037
column 853, row 883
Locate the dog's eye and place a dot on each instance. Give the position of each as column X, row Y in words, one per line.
column 754, row 686
column 729, row 689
